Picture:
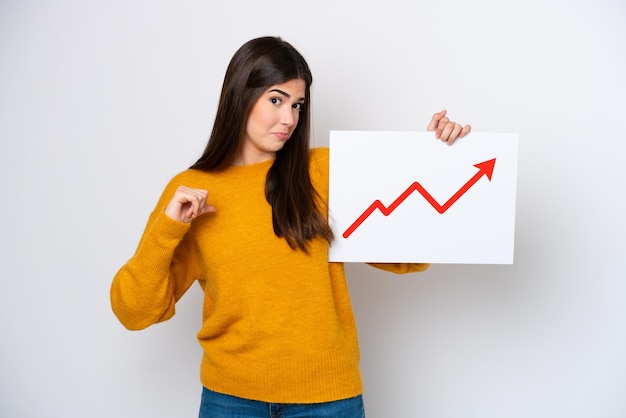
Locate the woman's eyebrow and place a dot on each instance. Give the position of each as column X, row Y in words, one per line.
column 285, row 94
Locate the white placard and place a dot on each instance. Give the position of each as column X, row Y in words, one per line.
column 407, row 197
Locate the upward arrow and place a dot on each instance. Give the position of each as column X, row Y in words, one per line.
column 484, row 169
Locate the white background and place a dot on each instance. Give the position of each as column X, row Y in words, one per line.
column 102, row 102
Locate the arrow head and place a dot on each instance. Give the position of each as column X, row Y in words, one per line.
column 486, row 167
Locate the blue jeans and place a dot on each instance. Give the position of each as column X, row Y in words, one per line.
column 218, row 405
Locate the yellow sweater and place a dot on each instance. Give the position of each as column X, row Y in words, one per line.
column 277, row 323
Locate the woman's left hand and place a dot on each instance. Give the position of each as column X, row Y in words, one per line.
column 446, row 130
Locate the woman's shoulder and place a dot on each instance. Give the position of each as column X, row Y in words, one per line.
column 319, row 161
column 320, row 154
column 318, row 169
column 188, row 176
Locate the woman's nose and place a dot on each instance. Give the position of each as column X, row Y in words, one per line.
column 287, row 117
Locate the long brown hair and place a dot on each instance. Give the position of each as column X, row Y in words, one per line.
column 298, row 213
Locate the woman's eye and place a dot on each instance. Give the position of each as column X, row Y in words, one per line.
column 297, row 106
column 275, row 101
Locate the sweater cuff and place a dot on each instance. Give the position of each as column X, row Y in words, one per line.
column 169, row 229
column 401, row 268
column 160, row 241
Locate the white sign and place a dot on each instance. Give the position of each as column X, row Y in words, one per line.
column 407, row 197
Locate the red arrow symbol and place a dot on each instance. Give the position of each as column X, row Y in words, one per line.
column 484, row 169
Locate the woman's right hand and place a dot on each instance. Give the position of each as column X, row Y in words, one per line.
column 187, row 204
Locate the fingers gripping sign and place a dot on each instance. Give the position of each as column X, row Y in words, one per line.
column 446, row 130
column 187, row 204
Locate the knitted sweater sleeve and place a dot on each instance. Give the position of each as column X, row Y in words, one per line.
column 401, row 268
column 145, row 289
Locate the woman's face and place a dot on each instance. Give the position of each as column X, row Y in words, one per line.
column 271, row 122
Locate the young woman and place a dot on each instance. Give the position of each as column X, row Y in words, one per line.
column 248, row 221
